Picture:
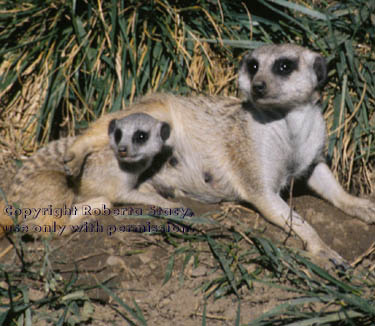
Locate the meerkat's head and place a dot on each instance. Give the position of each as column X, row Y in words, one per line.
column 137, row 138
column 282, row 76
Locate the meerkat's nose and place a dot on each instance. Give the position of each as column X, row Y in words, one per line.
column 122, row 151
column 259, row 88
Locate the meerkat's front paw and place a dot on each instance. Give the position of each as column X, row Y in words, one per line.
column 328, row 258
column 73, row 163
column 332, row 257
column 362, row 208
column 324, row 255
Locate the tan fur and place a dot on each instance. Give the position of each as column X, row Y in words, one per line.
column 225, row 149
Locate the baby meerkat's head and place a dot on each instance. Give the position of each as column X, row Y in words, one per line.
column 137, row 138
column 282, row 76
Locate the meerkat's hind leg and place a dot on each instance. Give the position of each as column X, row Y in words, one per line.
column 323, row 182
column 86, row 211
column 44, row 199
column 88, row 208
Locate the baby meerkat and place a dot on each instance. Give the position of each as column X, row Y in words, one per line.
column 137, row 141
column 48, row 200
column 227, row 149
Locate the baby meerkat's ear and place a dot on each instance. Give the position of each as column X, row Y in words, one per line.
column 111, row 126
column 320, row 68
column 165, row 131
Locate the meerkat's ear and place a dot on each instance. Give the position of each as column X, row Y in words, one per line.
column 111, row 126
column 165, row 131
column 320, row 68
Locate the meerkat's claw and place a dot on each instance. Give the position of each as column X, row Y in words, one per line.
column 331, row 257
column 342, row 265
column 337, row 260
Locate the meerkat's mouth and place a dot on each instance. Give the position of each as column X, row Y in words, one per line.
column 122, row 153
column 268, row 103
column 265, row 99
column 130, row 159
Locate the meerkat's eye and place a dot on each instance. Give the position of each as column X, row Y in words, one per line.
column 284, row 66
column 252, row 66
column 140, row 137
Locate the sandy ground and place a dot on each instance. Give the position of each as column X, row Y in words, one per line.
column 134, row 265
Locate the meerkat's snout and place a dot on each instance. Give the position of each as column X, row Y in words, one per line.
column 259, row 89
column 122, row 151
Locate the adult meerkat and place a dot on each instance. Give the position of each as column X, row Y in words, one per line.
column 227, row 149
column 110, row 176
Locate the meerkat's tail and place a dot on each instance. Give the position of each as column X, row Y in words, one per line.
column 41, row 195
column 44, row 208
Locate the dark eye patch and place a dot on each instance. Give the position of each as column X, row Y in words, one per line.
column 140, row 137
column 320, row 68
column 165, row 131
column 252, row 66
column 118, row 135
column 284, row 66
column 112, row 126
